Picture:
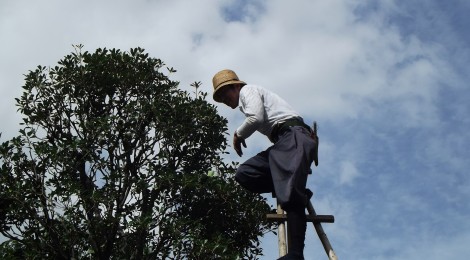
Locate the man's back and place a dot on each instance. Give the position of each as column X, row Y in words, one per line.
column 263, row 109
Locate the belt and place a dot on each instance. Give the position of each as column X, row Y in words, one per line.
column 281, row 128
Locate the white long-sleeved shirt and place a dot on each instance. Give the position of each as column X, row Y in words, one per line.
column 263, row 109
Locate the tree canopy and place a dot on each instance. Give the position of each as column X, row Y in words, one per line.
column 114, row 161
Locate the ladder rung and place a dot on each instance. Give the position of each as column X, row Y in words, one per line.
column 310, row 218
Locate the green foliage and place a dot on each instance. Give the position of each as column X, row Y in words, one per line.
column 115, row 161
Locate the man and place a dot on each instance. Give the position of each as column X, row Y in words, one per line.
column 283, row 167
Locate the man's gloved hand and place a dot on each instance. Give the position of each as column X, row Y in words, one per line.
column 237, row 141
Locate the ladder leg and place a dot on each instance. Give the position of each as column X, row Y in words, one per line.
column 289, row 237
column 321, row 234
column 281, row 233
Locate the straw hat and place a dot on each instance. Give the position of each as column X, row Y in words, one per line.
column 224, row 78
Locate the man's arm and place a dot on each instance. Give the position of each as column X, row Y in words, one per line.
column 253, row 108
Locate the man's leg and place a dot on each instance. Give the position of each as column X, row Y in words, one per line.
column 297, row 226
column 290, row 159
column 255, row 174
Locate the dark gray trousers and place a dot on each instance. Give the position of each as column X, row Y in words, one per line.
column 282, row 169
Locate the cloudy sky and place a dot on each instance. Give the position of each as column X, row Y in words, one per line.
column 387, row 82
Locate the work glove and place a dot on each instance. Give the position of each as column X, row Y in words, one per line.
column 237, row 142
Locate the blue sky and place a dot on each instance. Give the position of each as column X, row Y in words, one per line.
column 387, row 82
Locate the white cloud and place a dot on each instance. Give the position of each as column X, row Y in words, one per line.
column 348, row 173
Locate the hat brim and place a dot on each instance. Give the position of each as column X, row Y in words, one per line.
column 216, row 96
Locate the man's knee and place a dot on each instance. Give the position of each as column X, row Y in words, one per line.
column 238, row 178
column 241, row 177
column 252, row 182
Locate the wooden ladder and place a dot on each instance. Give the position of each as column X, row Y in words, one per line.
column 283, row 232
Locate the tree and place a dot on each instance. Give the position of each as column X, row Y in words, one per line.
column 113, row 160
